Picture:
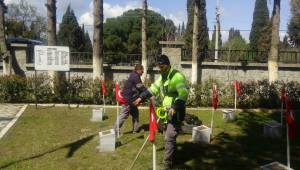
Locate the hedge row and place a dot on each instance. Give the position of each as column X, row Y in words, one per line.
column 254, row 94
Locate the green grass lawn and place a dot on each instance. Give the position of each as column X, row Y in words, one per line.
column 63, row 138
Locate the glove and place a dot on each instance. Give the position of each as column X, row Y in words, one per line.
column 171, row 113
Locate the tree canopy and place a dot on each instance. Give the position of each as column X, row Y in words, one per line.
column 71, row 34
column 294, row 24
column 235, row 41
column 123, row 34
column 22, row 20
column 203, row 38
column 260, row 21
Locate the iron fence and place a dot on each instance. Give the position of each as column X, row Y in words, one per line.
column 289, row 57
column 86, row 58
column 249, row 56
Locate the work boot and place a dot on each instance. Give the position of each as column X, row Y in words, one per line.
column 165, row 166
column 137, row 130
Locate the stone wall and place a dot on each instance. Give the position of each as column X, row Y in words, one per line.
column 236, row 71
column 224, row 72
column 221, row 71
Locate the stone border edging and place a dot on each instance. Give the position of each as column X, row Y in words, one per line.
column 11, row 123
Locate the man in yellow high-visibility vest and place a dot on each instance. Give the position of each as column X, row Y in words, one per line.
column 172, row 87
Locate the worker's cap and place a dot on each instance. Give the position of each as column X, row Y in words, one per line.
column 163, row 59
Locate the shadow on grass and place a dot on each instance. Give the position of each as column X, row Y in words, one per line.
column 5, row 118
column 247, row 150
column 119, row 143
column 73, row 147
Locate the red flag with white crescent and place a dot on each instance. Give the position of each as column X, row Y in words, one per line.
column 152, row 123
column 119, row 96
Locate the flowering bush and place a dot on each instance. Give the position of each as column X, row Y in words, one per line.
column 254, row 94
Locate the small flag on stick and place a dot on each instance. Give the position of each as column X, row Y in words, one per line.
column 290, row 119
column 119, row 96
column 103, row 87
column 237, row 87
column 152, row 123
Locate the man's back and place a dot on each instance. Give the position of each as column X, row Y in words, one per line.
column 132, row 87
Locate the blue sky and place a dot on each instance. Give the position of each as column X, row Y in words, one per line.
column 234, row 13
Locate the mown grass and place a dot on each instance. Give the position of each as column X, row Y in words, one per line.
column 63, row 138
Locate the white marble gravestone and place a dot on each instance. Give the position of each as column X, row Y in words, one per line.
column 97, row 115
column 107, row 140
column 228, row 114
column 201, row 134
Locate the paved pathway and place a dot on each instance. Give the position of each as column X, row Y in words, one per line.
column 8, row 112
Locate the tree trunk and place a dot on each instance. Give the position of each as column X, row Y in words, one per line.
column 217, row 32
column 51, row 29
column 98, row 40
column 5, row 54
column 273, row 57
column 195, row 51
column 144, row 41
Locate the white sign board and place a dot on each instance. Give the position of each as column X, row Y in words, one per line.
column 56, row 58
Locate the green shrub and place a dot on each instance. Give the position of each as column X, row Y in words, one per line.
column 41, row 88
column 13, row 89
column 82, row 90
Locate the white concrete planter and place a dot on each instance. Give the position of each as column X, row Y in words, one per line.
column 201, row 134
column 272, row 129
column 275, row 166
column 97, row 115
column 228, row 115
column 107, row 140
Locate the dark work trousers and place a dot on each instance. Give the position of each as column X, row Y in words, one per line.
column 127, row 110
column 170, row 142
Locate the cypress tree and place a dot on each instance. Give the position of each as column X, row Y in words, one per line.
column 264, row 41
column 260, row 21
column 294, row 24
column 234, row 34
column 182, row 29
column 87, row 43
column 179, row 30
column 284, row 45
column 70, row 34
column 203, row 29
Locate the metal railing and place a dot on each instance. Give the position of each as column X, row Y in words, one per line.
column 111, row 59
column 79, row 58
column 120, row 59
column 289, row 57
column 249, row 56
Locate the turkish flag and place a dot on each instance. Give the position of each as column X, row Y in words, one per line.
column 119, row 96
column 215, row 100
column 290, row 119
column 152, row 123
column 237, row 87
column 103, row 87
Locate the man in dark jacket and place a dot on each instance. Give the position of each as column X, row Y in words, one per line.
column 132, row 88
column 172, row 87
